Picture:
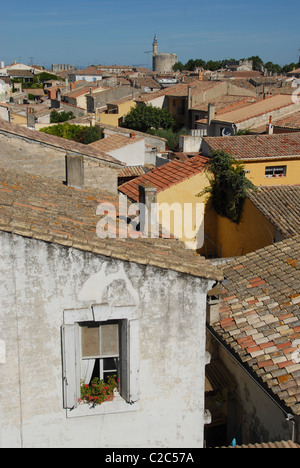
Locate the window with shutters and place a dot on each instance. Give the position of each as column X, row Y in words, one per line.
column 100, row 350
column 100, row 342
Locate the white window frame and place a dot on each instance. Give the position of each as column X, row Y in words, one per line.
column 99, row 356
column 273, row 168
column 71, row 359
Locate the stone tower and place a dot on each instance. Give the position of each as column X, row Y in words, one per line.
column 155, row 46
column 162, row 63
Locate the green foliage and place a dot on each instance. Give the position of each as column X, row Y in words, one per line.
column 228, row 185
column 98, row 391
column 76, row 133
column 146, row 117
column 45, row 76
column 171, row 136
column 178, row 66
column 56, row 117
column 257, row 62
column 213, row 65
column 273, row 67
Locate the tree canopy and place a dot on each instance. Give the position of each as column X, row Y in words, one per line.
column 213, row 65
column 146, row 117
column 57, row 117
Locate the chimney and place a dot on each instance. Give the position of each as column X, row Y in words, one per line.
column 74, row 170
column 30, row 118
column 148, row 210
column 190, row 97
column 213, row 304
column 269, row 129
column 200, row 75
column 210, row 116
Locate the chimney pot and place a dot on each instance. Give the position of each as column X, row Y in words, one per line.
column 148, row 210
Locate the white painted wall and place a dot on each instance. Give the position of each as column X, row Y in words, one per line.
column 132, row 154
column 39, row 281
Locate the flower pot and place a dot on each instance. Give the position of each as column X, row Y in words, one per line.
column 109, row 397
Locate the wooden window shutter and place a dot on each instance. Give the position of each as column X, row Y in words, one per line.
column 71, row 383
column 129, row 360
column 134, row 361
column 124, row 360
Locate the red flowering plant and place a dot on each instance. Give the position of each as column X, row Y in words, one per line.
column 98, row 391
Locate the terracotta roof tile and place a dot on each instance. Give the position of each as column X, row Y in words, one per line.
column 165, row 176
column 256, row 147
column 262, row 326
column 114, row 142
column 269, row 445
column 181, row 89
column 68, row 145
column 258, row 108
column 47, row 210
column 280, row 205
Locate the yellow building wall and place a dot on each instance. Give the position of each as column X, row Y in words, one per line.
column 113, row 119
column 257, row 172
column 223, row 238
column 188, row 220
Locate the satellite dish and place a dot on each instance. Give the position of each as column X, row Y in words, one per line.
column 226, row 131
column 147, row 89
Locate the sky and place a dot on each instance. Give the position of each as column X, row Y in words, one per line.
column 121, row 32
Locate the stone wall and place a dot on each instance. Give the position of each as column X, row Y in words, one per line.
column 40, row 281
column 49, row 161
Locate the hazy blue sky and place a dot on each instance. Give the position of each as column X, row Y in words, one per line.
column 120, row 32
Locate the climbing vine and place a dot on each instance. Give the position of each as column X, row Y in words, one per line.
column 228, row 185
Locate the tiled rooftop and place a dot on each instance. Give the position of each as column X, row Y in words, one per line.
column 129, row 171
column 280, row 204
column 68, row 145
column 114, row 142
column 181, row 89
column 227, row 103
column 165, row 176
column 254, row 147
column 255, row 110
column 81, row 91
column 269, row 445
column 260, row 317
column 291, row 121
column 88, row 71
column 43, row 209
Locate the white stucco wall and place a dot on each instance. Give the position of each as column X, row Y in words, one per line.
column 132, row 155
column 38, row 282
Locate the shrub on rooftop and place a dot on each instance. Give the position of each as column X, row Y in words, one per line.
column 228, row 185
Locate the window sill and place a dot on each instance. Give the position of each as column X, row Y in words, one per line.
column 118, row 405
